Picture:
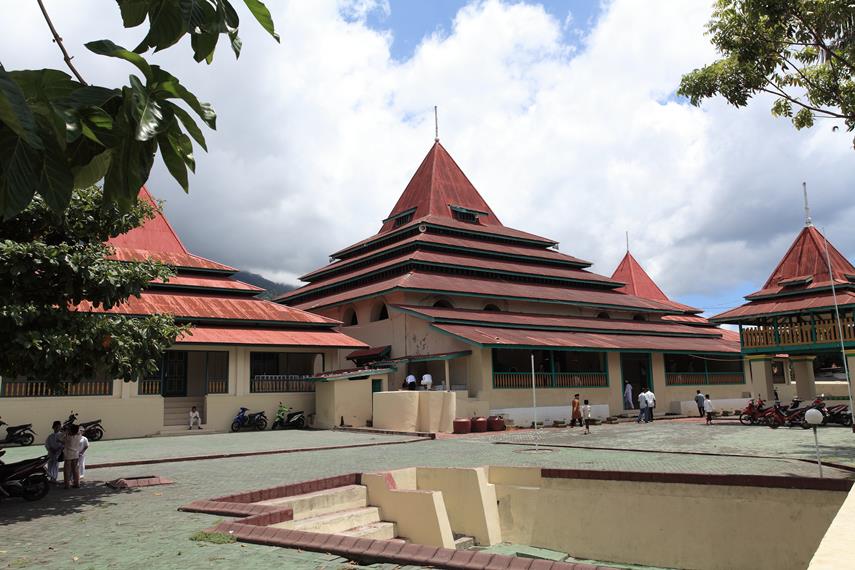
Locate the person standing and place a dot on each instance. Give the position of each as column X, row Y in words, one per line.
column 708, row 409
column 651, row 404
column 575, row 411
column 427, row 381
column 81, row 458
column 699, row 400
column 195, row 418
column 627, row 397
column 586, row 415
column 71, row 441
column 53, row 444
column 642, row 407
column 411, row 381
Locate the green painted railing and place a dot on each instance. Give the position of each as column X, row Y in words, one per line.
column 703, row 378
column 521, row 380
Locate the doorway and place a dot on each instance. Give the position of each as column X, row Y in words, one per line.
column 635, row 371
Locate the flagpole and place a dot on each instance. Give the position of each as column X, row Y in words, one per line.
column 534, row 402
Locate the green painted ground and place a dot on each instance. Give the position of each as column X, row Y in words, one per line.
column 95, row 527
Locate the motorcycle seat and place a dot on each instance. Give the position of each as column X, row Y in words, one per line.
column 87, row 424
column 20, row 427
column 8, row 468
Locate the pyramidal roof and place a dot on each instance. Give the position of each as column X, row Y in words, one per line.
column 806, row 261
column 155, row 234
column 438, row 185
column 638, row 282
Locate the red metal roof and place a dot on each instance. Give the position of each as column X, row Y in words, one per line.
column 190, row 306
column 155, row 234
column 370, row 352
column 474, row 245
column 490, row 287
column 522, row 320
column 781, row 305
column 209, row 282
column 179, row 260
column 638, row 282
column 502, row 337
column 268, row 337
column 438, row 184
column 806, row 261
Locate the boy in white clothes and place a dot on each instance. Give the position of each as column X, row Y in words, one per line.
column 53, row 444
column 72, row 442
column 708, row 409
column 586, row 415
column 81, row 461
column 195, row 418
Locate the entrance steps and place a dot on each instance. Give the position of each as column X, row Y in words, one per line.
column 176, row 410
column 342, row 510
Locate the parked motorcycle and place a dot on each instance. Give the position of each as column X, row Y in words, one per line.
column 839, row 414
column 753, row 413
column 255, row 420
column 27, row 479
column 92, row 430
column 818, row 404
column 22, row 434
column 286, row 419
column 789, row 416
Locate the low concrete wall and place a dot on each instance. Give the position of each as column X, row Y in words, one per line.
column 121, row 417
column 220, row 409
column 523, row 417
column 406, row 410
column 420, row 516
column 471, row 407
column 690, row 407
column 673, row 525
column 348, row 400
column 835, row 550
column 470, row 501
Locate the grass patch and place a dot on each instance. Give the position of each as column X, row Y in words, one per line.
column 213, row 537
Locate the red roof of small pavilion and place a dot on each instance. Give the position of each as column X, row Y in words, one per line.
column 637, row 281
column 437, row 185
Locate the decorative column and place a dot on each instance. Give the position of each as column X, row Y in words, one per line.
column 760, row 367
column 805, row 380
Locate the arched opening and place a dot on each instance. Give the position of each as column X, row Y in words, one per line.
column 350, row 319
column 493, row 308
column 603, row 315
column 443, row 304
column 639, row 317
column 380, row 312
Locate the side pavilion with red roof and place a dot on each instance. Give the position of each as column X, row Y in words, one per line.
column 794, row 313
column 239, row 351
column 444, row 288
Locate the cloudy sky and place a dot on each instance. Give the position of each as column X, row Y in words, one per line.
column 563, row 114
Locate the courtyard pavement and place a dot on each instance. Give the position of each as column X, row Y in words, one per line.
column 99, row 528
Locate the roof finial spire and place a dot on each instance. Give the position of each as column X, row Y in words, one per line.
column 808, row 220
column 435, row 125
column 627, row 241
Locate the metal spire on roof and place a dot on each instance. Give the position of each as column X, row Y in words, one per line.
column 808, row 220
column 435, row 125
column 627, row 241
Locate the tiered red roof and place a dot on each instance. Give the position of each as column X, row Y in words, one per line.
column 801, row 281
column 443, row 238
column 221, row 309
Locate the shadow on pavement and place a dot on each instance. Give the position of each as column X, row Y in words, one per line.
column 59, row 501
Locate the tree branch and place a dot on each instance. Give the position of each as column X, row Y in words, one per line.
column 781, row 93
column 58, row 41
column 820, row 43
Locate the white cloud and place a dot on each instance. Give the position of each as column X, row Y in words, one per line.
column 319, row 135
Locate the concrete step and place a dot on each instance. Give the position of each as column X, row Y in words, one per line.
column 334, row 523
column 320, row 503
column 379, row 531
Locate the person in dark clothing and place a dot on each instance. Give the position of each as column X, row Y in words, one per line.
column 699, row 400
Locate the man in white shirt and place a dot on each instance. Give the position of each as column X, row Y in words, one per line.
column 642, row 407
column 651, row 403
column 627, row 397
column 427, row 381
column 411, row 381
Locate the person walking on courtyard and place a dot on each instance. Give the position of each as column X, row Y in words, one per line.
column 575, row 411
column 627, row 397
column 72, row 442
column 586, row 415
column 699, row 400
column 642, row 407
column 708, row 409
column 195, row 418
column 651, row 403
column 81, row 458
column 53, row 444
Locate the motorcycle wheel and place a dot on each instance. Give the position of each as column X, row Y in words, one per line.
column 35, row 488
column 235, row 426
column 26, row 439
column 805, row 425
column 846, row 420
column 97, row 433
column 260, row 424
column 746, row 419
column 300, row 424
column 774, row 423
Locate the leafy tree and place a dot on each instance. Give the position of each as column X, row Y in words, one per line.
column 56, row 281
column 58, row 133
column 800, row 51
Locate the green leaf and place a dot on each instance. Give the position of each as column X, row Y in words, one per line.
column 188, row 123
column 133, row 12
column 166, row 26
column 131, row 163
column 262, row 14
column 195, row 13
column 94, row 171
column 182, row 145
column 97, row 126
column 108, row 48
column 44, row 84
column 18, row 166
column 90, row 96
column 146, row 111
column 204, row 45
column 173, row 161
column 172, row 88
column 15, row 113
column 55, row 180
column 236, row 42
